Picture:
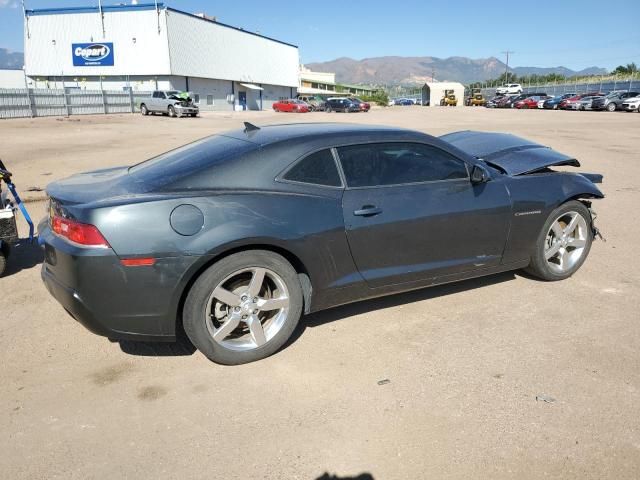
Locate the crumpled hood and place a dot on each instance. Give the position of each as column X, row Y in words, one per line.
column 514, row 155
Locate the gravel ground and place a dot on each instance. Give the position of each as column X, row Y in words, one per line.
column 469, row 366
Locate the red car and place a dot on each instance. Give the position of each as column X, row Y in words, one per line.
column 567, row 102
column 291, row 105
column 530, row 102
column 364, row 106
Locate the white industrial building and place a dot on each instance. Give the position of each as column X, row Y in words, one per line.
column 151, row 46
column 12, row 79
column 433, row 92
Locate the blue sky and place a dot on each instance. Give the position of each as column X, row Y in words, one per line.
column 575, row 34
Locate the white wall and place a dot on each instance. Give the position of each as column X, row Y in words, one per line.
column 148, row 55
column 201, row 48
column 12, row 79
column 141, row 84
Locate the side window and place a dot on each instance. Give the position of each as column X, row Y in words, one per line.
column 155, row 95
column 398, row 163
column 318, row 168
column 196, row 98
column 161, row 95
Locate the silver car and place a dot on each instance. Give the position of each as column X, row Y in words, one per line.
column 169, row 102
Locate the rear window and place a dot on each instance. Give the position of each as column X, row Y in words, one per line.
column 318, row 168
column 190, row 159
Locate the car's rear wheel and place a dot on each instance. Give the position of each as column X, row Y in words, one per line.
column 564, row 242
column 244, row 307
column 144, row 110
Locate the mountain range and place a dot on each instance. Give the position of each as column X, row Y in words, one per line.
column 11, row 60
column 418, row 70
column 397, row 70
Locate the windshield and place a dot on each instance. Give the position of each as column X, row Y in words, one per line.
column 172, row 92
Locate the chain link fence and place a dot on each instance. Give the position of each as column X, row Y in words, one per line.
column 602, row 84
column 35, row 102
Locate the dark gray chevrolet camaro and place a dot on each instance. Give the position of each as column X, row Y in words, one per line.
column 235, row 236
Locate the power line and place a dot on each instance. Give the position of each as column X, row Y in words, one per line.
column 506, row 68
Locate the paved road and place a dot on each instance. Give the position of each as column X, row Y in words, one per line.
column 465, row 362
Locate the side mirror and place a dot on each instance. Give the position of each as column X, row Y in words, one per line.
column 479, row 175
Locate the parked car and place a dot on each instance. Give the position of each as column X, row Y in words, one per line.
column 529, row 102
column 504, row 101
column 612, row 101
column 585, row 102
column 169, row 102
column 340, row 104
column 554, row 102
column 492, row 102
column 405, row 102
column 513, row 99
column 363, row 106
column 291, row 105
column 509, row 88
column 234, row 237
column 631, row 104
column 572, row 103
column 316, row 104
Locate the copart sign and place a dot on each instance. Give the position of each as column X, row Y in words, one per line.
column 92, row 54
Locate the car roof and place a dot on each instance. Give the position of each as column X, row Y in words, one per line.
column 271, row 134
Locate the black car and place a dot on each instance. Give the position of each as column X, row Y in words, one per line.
column 612, row 101
column 237, row 235
column 341, row 105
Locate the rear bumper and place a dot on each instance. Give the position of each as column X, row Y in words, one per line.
column 121, row 303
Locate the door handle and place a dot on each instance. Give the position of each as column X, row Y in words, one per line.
column 367, row 211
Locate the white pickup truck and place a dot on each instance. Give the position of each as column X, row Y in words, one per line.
column 169, row 102
column 509, row 88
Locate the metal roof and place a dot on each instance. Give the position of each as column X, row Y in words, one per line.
column 139, row 7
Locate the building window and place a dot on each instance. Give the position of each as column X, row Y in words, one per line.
column 196, row 98
column 209, row 99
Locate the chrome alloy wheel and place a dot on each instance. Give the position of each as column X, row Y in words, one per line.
column 566, row 241
column 247, row 309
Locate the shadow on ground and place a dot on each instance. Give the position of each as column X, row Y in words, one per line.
column 183, row 346
column 24, row 254
column 362, row 476
column 339, row 313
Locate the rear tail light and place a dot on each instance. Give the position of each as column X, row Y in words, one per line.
column 80, row 233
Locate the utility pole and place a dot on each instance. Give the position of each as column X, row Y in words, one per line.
column 433, row 74
column 506, row 68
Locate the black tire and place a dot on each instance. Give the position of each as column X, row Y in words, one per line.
column 328, row 109
column 171, row 111
column 144, row 110
column 3, row 263
column 539, row 266
column 611, row 107
column 196, row 302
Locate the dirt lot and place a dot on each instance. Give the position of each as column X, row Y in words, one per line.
column 465, row 362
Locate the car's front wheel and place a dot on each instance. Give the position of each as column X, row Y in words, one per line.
column 564, row 242
column 244, row 307
column 171, row 111
column 611, row 107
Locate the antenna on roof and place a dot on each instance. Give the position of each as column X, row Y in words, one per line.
column 250, row 127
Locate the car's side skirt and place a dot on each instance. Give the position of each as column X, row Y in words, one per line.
column 360, row 292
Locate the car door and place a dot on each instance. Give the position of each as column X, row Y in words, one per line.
column 411, row 213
